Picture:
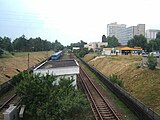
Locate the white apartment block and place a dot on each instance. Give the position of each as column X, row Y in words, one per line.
column 114, row 28
column 123, row 33
column 151, row 34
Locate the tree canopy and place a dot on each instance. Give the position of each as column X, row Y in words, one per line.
column 138, row 41
column 152, row 62
column 78, row 44
column 45, row 100
column 158, row 35
column 112, row 41
column 5, row 43
column 23, row 44
column 104, row 39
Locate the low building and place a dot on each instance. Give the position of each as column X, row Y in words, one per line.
column 122, row 50
column 75, row 48
column 59, row 68
column 95, row 45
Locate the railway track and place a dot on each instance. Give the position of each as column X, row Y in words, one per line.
column 11, row 100
column 100, row 106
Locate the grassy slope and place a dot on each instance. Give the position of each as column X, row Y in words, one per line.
column 144, row 84
column 8, row 64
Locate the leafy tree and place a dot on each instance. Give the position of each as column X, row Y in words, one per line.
column 5, row 43
column 20, row 44
column 81, row 52
column 158, row 35
column 91, row 50
column 153, row 45
column 57, row 46
column 78, row 44
column 152, row 62
column 116, row 79
column 45, row 100
column 112, row 41
column 1, row 52
column 104, row 39
column 138, row 41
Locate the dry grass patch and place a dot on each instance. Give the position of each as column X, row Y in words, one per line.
column 142, row 83
column 9, row 64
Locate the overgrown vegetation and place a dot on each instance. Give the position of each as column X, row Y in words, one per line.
column 152, row 62
column 45, row 100
column 116, row 79
column 81, row 52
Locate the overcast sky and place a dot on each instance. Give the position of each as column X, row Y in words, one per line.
column 70, row 21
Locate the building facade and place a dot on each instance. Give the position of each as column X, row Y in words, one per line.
column 95, row 45
column 151, row 34
column 61, row 68
column 114, row 28
column 123, row 33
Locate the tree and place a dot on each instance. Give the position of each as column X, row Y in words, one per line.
column 5, row 43
column 152, row 62
column 1, row 52
column 138, row 41
column 45, row 100
column 158, row 35
column 57, row 46
column 151, row 46
column 78, row 44
column 21, row 44
column 104, row 39
column 112, row 41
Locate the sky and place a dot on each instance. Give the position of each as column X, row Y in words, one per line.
column 70, row 21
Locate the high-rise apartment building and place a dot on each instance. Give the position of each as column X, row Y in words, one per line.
column 151, row 34
column 114, row 28
column 124, row 34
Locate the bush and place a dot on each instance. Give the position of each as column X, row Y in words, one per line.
column 45, row 100
column 152, row 62
column 1, row 52
column 116, row 79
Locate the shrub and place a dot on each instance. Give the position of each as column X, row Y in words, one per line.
column 152, row 62
column 116, row 79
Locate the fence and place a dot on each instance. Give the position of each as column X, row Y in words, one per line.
column 142, row 111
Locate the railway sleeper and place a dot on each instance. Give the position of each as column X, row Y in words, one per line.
column 109, row 118
column 105, row 111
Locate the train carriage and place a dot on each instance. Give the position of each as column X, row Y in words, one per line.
column 56, row 56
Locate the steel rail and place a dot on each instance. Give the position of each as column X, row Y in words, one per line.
column 4, row 104
column 104, row 100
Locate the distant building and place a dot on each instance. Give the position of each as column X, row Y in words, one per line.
column 95, row 45
column 75, row 48
column 122, row 50
column 151, row 34
column 114, row 28
column 124, row 34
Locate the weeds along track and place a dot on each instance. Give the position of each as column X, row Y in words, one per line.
column 100, row 107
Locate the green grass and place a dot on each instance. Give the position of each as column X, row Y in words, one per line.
column 125, row 113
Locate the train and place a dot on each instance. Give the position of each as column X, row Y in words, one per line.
column 56, row 55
